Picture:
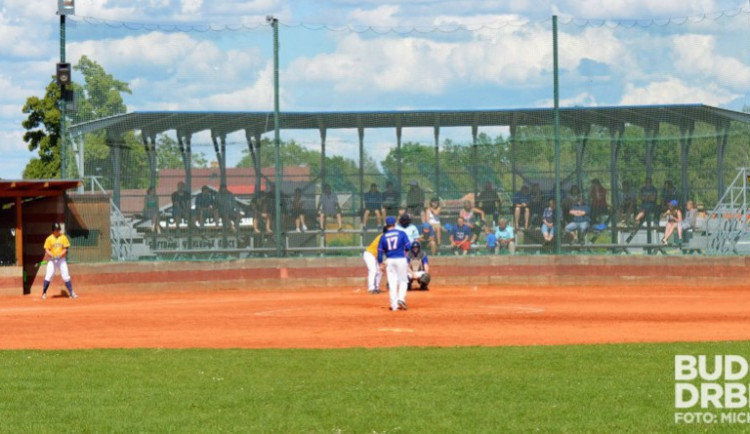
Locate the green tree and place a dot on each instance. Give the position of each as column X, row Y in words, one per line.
column 342, row 173
column 169, row 156
column 43, row 134
column 99, row 96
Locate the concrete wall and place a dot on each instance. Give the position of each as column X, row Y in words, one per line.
column 351, row 272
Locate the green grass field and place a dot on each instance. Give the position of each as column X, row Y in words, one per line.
column 605, row 388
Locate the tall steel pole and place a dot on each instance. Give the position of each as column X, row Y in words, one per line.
column 62, row 102
column 277, row 139
column 558, row 202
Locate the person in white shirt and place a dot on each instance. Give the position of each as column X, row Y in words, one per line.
column 404, row 224
column 505, row 237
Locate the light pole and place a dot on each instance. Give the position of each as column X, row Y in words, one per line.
column 274, row 22
column 64, row 8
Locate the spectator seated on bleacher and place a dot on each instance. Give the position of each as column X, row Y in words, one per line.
column 151, row 209
column 521, row 203
column 227, row 209
column 598, row 198
column 648, row 202
column 298, row 210
column 580, row 215
column 462, row 237
column 673, row 217
column 415, row 201
column 536, row 204
column 505, row 237
column 548, row 223
column 567, row 203
column 373, row 203
column 329, row 207
column 489, row 201
column 428, row 238
column 181, row 206
column 205, row 206
column 690, row 220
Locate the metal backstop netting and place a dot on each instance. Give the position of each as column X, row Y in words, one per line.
column 176, row 125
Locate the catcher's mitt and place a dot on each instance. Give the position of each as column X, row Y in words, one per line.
column 424, row 280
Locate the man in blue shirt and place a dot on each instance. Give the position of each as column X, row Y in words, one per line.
column 373, row 203
column 581, row 214
column 521, row 202
column 394, row 244
column 462, row 237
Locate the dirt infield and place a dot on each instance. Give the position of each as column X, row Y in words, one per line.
column 202, row 317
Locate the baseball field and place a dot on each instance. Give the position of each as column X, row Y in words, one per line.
column 596, row 356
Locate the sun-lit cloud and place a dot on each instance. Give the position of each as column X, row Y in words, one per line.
column 675, row 91
column 696, row 55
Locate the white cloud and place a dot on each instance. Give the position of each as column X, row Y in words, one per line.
column 584, row 99
column 406, row 64
column 636, row 9
column 418, row 65
column 675, row 91
column 12, row 141
column 191, row 6
column 22, row 40
column 384, row 15
column 696, row 55
column 154, row 49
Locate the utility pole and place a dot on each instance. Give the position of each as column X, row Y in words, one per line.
column 274, row 22
column 64, row 8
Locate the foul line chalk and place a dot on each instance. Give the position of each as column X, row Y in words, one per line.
column 516, row 309
column 396, row 330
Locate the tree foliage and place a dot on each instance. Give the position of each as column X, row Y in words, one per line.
column 43, row 134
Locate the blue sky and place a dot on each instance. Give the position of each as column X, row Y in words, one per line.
column 380, row 55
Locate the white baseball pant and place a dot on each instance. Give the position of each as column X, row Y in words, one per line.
column 398, row 280
column 373, row 271
column 54, row 264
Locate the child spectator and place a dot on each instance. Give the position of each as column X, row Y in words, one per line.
column 548, row 222
column 490, row 240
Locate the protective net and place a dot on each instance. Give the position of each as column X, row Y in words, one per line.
column 175, row 125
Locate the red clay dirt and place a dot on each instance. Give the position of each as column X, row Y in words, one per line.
column 198, row 317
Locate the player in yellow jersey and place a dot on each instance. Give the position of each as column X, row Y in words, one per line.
column 55, row 252
column 374, row 273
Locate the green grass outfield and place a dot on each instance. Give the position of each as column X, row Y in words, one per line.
column 597, row 388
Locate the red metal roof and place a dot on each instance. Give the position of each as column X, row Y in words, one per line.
column 36, row 187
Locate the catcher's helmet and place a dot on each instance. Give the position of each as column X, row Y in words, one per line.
column 415, row 245
column 404, row 220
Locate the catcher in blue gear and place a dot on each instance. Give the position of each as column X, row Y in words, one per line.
column 419, row 266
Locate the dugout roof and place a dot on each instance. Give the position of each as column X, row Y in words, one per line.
column 35, row 188
column 222, row 123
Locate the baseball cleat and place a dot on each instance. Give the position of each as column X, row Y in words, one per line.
column 73, row 295
column 44, row 296
column 372, row 291
column 402, row 305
